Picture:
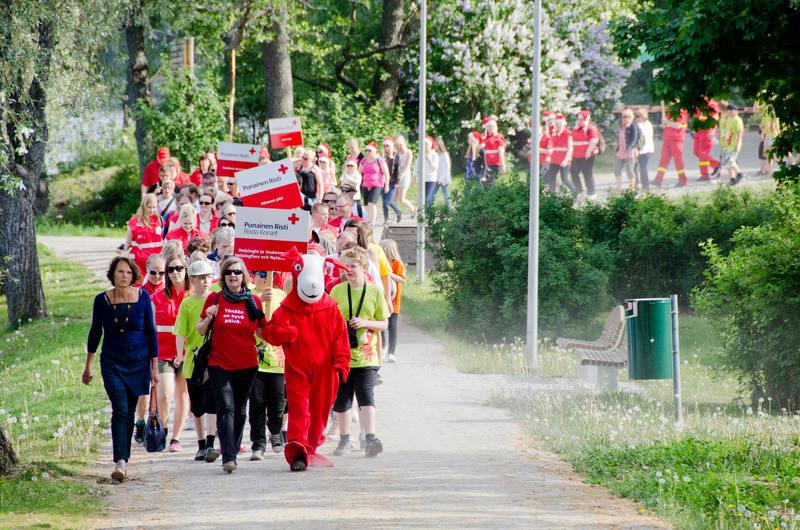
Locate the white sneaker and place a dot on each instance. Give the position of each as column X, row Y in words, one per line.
column 120, row 471
column 392, row 358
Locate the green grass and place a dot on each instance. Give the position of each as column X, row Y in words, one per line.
column 47, row 226
column 56, row 423
column 736, row 467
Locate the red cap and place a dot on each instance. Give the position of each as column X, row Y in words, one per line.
column 372, row 145
column 162, row 155
column 476, row 135
column 560, row 117
column 324, row 147
column 585, row 114
column 489, row 119
column 547, row 113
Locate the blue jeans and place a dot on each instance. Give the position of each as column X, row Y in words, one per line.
column 123, row 411
column 388, row 202
column 430, row 191
column 445, row 191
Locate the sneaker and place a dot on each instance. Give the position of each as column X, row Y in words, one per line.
column 257, row 455
column 284, row 437
column 362, row 441
column 276, row 440
column 242, row 449
column 374, row 448
column 229, row 466
column 392, row 358
column 211, row 454
column 175, row 446
column 138, row 434
column 200, row 455
column 739, row 177
column 343, row 447
column 299, row 464
column 120, row 470
column 399, row 217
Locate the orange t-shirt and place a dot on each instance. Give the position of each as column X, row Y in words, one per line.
column 399, row 269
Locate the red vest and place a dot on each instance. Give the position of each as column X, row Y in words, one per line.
column 491, row 149
column 545, row 148
column 165, row 315
column 581, row 138
column 560, row 146
column 144, row 240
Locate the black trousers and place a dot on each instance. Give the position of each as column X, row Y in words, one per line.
column 585, row 166
column 551, row 179
column 361, row 383
column 267, row 406
column 231, row 390
column 392, row 331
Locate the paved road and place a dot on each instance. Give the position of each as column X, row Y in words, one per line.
column 450, row 461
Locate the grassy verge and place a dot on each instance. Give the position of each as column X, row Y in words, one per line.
column 55, row 422
column 728, row 466
column 50, row 227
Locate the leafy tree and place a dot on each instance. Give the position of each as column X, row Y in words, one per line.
column 708, row 48
column 190, row 119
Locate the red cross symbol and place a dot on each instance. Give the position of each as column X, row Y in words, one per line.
column 283, row 169
column 252, row 151
column 294, row 218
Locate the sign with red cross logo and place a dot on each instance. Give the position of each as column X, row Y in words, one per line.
column 271, row 185
column 235, row 157
column 285, row 132
column 264, row 234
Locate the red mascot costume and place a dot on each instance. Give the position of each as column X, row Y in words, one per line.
column 311, row 330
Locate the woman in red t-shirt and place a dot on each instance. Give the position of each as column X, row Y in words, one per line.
column 171, row 381
column 237, row 318
column 188, row 227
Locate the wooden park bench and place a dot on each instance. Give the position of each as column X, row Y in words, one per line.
column 599, row 360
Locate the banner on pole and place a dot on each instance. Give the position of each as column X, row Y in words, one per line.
column 235, row 157
column 264, row 234
column 285, row 132
column 271, row 185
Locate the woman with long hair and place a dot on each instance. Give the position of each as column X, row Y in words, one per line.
column 144, row 233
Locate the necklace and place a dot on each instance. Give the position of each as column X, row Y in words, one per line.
column 117, row 317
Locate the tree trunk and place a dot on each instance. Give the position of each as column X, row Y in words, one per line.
column 138, row 76
column 278, row 68
column 232, row 96
column 387, row 82
column 7, row 457
column 22, row 282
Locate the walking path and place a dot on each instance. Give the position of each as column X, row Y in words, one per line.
column 450, row 461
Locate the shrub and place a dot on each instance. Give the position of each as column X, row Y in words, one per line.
column 753, row 293
column 112, row 205
column 481, row 253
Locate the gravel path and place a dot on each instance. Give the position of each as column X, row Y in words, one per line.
column 450, row 461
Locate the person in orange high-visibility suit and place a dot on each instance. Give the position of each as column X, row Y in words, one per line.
column 704, row 141
column 311, row 330
column 672, row 146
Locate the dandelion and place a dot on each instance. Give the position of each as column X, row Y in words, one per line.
column 45, row 475
column 661, row 481
column 34, row 478
column 659, row 474
column 687, row 479
column 749, row 411
column 36, row 419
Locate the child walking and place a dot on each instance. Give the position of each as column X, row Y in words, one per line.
column 396, row 281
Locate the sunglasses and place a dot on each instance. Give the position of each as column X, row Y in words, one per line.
column 177, row 268
column 329, row 201
column 261, row 274
column 224, row 225
column 235, row 272
column 206, row 203
column 157, row 273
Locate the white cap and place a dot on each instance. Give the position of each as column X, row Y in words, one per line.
column 200, row 268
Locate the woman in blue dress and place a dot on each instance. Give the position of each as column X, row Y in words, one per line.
column 123, row 317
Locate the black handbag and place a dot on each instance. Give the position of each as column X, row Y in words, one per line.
column 155, row 437
column 203, row 353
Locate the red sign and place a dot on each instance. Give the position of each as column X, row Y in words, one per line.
column 285, row 132
column 235, row 157
column 264, row 234
column 271, row 185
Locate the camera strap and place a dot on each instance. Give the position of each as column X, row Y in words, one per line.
column 360, row 302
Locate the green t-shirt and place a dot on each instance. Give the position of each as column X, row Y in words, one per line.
column 273, row 362
column 186, row 326
column 374, row 308
column 730, row 129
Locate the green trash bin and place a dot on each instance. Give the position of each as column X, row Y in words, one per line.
column 649, row 338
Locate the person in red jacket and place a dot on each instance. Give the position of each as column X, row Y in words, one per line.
column 672, row 146
column 561, row 158
column 585, row 142
column 546, row 141
column 150, row 174
column 494, row 151
column 144, row 233
column 188, row 227
column 704, row 141
column 312, row 332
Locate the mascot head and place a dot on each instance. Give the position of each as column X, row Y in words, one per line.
column 308, row 273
